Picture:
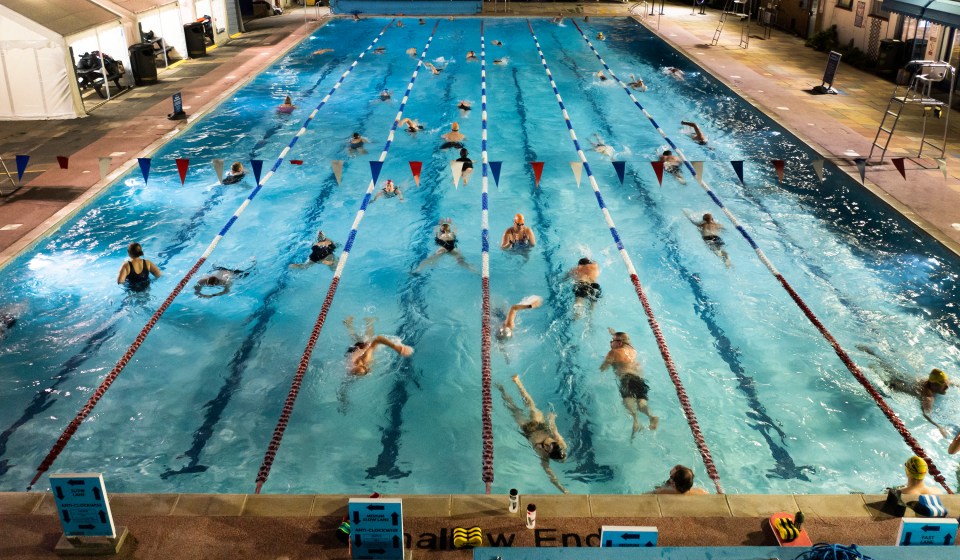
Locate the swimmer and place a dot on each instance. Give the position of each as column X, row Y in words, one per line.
column 601, row 76
column 497, row 43
column 322, row 51
column 916, row 469
column 467, row 166
column 220, row 278
column 399, row 23
column 433, row 68
column 471, row 55
column 136, row 271
column 698, row 136
column 360, row 353
column 927, row 390
column 540, row 431
column 464, row 106
column 518, row 236
column 389, row 190
column 444, row 235
column 680, row 482
column 453, row 139
column 585, row 286
column 671, row 164
column 287, row 106
column 421, row 22
column 509, row 323
column 412, row 52
column 320, row 252
column 355, row 144
column 600, row 36
column 600, row 146
column 379, row 50
column 8, row 318
column 235, row 175
column 676, row 73
column 710, row 232
column 356, row 16
column 637, row 83
column 500, row 61
column 413, row 126
column 385, row 95
column 633, row 388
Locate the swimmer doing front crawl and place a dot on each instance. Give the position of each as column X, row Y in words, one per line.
column 360, row 353
column 509, row 323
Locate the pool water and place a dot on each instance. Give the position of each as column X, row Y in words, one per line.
column 195, row 408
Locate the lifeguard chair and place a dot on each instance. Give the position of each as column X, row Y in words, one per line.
column 738, row 9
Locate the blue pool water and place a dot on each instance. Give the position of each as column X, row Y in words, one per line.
column 195, row 408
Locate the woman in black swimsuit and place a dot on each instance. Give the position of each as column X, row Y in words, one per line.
column 136, row 272
column 445, row 236
column 320, row 252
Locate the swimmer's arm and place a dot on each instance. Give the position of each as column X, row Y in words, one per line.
column 926, row 404
column 400, row 195
column 955, row 445
column 531, row 237
column 124, row 271
column 154, row 269
column 552, row 424
column 376, row 196
column 545, row 463
column 606, row 362
column 505, row 242
column 378, row 340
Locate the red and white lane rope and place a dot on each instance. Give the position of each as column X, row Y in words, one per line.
column 115, row 372
column 278, row 431
column 635, row 280
column 485, row 277
column 841, row 353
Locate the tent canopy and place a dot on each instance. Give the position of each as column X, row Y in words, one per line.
column 140, row 6
column 65, row 17
column 943, row 12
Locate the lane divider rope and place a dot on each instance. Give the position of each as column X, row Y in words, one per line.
column 122, row 363
column 485, row 277
column 285, row 414
column 635, row 280
column 841, row 353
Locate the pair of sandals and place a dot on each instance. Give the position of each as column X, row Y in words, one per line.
column 467, row 538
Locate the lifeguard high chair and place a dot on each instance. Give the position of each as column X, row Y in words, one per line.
column 914, row 83
column 738, row 9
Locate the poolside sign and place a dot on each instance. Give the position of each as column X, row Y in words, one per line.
column 376, row 528
column 927, row 532
column 82, row 505
column 618, row 536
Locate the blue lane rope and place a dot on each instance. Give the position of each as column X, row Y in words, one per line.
column 635, row 279
column 841, row 353
column 284, row 419
column 112, row 376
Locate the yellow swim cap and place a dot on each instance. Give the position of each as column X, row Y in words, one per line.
column 916, row 467
column 937, row 376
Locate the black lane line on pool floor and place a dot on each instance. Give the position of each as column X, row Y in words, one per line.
column 785, row 466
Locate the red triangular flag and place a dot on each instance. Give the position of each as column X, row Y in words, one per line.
column 182, row 165
column 537, row 171
column 415, row 168
column 296, row 161
column 898, row 163
column 778, row 165
column 63, row 161
column 658, row 169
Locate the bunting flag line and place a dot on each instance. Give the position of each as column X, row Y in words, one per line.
column 218, row 169
column 818, row 168
column 698, row 167
column 577, row 167
column 898, row 163
column 537, row 172
column 778, row 164
column 495, row 171
column 375, row 168
column 942, row 164
column 257, row 165
column 104, row 164
column 620, row 167
column 182, row 166
column 296, row 161
column 337, row 166
column 862, row 166
column 658, row 169
column 738, row 168
column 456, row 167
column 21, row 166
column 415, row 168
column 63, row 161
column 145, row 168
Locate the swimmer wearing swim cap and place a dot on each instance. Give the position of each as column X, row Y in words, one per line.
column 518, row 236
column 936, row 383
column 916, row 469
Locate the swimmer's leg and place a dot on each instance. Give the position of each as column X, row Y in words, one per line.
column 631, row 404
column 654, row 420
column 428, row 261
column 462, row 261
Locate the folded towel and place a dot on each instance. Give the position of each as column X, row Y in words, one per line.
column 930, row 506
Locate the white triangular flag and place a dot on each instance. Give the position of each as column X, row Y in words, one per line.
column 456, row 167
column 337, row 166
column 698, row 167
column 577, row 167
column 218, row 169
column 105, row 166
column 818, row 168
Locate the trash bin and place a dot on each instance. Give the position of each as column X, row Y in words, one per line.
column 916, row 49
column 196, row 42
column 890, row 56
column 143, row 64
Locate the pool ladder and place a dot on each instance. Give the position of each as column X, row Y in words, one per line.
column 917, row 79
column 737, row 8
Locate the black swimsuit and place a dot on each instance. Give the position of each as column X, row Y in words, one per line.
column 320, row 252
column 231, row 178
column 633, row 386
column 138, row 281
column 467, row 163
column 713, row 240
column 589, row 290
column 448, row 244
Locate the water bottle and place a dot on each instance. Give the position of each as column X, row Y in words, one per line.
column 514, row 500
column 531, row 516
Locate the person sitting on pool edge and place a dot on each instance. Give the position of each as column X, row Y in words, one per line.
column 680, row 482
column 220, row 278
column 320, row 252
column 360, row 353
column 540, row 431
column 453, row 139
column 518, row 236
column 136, row 272
column 389, row 190
column 236, row 174
column 916, row 469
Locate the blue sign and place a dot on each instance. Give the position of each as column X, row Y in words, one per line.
column 376, row 528
column 927, row 532
column 82, row 505
column 614, row 536
column 177, row 103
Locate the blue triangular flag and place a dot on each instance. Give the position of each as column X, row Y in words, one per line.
column 375, row 168
column 738, row 167
column 144, row 168
column 21, row 166
column 862, row 166
column 257, row 165
column 495, row 170
column 620, row 166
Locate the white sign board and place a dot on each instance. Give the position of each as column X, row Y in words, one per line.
column 376, row 528
column 82, row 505
column 927, row 532
column 614, row 536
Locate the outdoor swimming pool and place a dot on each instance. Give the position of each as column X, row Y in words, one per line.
column 195, row 409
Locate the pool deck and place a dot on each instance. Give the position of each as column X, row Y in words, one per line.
column 773, row 74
